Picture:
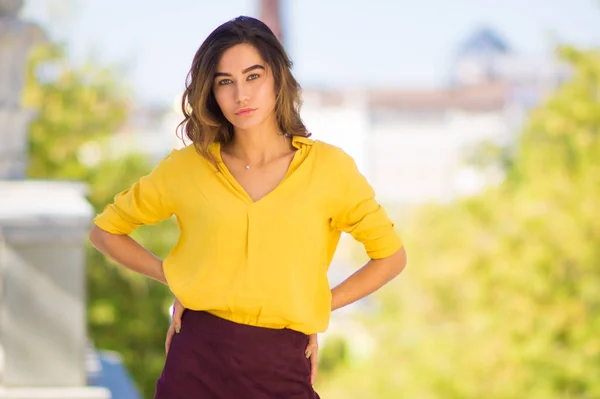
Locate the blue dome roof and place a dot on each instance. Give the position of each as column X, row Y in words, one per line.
column 484, row 41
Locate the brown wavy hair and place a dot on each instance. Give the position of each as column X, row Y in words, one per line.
column 204, row 123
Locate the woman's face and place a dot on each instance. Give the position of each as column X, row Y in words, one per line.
column 244, row 87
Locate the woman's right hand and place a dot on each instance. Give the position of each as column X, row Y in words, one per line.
column 175, row 326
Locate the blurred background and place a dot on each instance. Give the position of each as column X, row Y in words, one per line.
column 476, row 122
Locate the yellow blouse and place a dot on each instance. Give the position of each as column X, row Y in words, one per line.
column 260, row 263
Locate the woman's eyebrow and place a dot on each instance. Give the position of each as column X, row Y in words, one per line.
column 253, row 67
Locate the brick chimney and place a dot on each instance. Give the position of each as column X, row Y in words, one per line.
column 270, row 14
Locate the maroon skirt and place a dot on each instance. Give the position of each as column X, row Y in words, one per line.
column 213, row 358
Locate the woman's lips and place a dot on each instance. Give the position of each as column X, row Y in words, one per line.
column 245, row 111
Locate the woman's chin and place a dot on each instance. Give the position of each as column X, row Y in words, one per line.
column 245, row 124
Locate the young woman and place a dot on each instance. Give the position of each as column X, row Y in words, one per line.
column 260, row 207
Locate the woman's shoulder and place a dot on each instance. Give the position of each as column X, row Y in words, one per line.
column 178, row 163
column 182, row 152
column 181, row 157
column 332, row 154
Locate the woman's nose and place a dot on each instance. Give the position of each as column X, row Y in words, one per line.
column 242, row 93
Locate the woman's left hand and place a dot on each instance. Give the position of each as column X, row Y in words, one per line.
column 175, row 326
column 312, row 353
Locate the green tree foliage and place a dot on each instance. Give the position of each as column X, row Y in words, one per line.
column 79, row 108
column 500, row 298
column 75, row 106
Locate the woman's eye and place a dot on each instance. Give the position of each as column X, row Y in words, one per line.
column 224, row 82
column 253, row 76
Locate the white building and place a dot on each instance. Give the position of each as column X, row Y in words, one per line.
column 412, row 144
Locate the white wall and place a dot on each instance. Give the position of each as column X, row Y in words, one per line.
column 416, row 161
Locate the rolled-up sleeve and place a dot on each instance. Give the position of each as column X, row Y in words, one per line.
column 359, row 214
column 146, row 202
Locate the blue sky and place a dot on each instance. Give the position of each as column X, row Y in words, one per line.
column 335, row 43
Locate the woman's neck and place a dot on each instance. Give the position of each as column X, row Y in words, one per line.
column 259, row 145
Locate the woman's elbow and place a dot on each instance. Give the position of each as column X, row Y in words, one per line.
column 398, row 261
column 97, row 236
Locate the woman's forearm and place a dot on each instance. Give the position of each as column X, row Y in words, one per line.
column 368, row 279
column 128, row 252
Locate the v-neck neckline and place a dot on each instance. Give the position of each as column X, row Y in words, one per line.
column 297, row 142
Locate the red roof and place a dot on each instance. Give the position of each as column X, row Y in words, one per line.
column 484, row 97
